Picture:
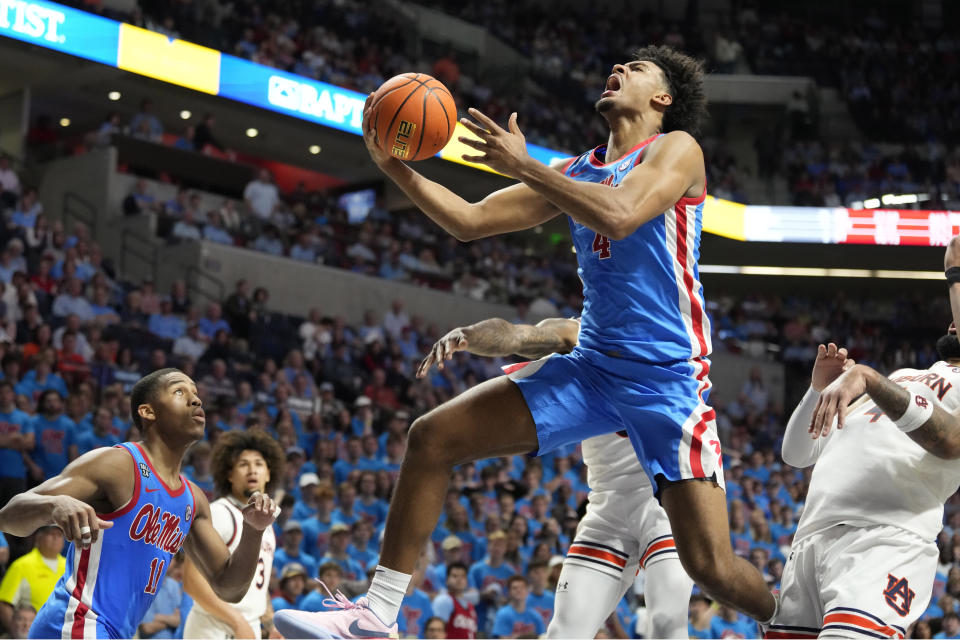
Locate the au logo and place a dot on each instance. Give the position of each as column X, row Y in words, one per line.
column 898, row 594
column 144, row 470
column 402, row 139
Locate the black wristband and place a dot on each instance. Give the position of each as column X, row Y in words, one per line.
column 953, row 275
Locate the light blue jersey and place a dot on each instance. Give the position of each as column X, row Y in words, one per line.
column 642, row 297
column 107, row 588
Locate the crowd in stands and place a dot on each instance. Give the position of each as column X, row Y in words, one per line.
column 339, row 398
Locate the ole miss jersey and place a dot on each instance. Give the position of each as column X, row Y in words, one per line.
column 108, row 587
column 642, row 297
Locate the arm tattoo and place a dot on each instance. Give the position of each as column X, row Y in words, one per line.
column 940, row 435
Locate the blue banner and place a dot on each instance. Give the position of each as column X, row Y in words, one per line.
column 60, row 28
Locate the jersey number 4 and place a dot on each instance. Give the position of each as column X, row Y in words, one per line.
column 601, row 246
column 156, row 571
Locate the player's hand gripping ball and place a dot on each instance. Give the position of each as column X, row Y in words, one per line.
column 413, row 116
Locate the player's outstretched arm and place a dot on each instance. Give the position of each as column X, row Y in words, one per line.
column 229, row 575
column 672, row 168
column 512, row 209
column 939, row 434
column 98, row 481
column 497, row 337
column 799, row 449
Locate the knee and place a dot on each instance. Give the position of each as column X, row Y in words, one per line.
column 426, row 441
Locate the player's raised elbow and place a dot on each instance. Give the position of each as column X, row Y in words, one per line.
column 231, row 594
column 797, row 460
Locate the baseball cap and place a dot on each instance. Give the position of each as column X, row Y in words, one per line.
column 497, row 535
column 295, row 449
column 451, row 542
column 293, row 569
column 554, row 561
column 292, row 525
column 362, row 401
column 326, row 386
column 338, row 527
column 308, row 479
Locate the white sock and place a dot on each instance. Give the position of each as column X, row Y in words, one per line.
column 386, row 593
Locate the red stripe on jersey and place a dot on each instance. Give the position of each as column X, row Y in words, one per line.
column 696, row 312
column 859, row 621
column 597, row 553
column 704, row 372
column 510, row 368
column 136, row 491
column 79, row 615
column 657, row 546
column 696, row 445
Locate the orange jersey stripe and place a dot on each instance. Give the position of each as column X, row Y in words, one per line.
column 600, row 555
column 859, row 621
column 657, row 546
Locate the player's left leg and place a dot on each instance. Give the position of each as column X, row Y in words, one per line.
column 674, row 433
column 876, row 581
column 668, row 599
column 585, row 597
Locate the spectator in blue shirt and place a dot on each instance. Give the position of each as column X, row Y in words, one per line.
column 214, row 231
column 269, row 241
column 72, row 301
column 541, row 598
column 101, row 435
column 40, row 379
column 26, row 212
column 490, row 575
column 344, row 465
column 337, row 552
column 16, row 436
column 730, row 624
column 293, row 579
column 316, row 530
column 213, row 321
column 303, row 249
column 514, row 620
column 55, row 434
column 701, row 618
column 368, row 504
column 331, row 575
column 290, row 551
column 306, row 506
column 360, row 549
column 163, row 617
column 346, row 513
column 165, row 323
column 145, row 123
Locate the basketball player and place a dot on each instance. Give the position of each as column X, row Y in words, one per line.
column 863, row 560
column 244, row 462
column 624, row 527
column 127, row 510
column 634, row 206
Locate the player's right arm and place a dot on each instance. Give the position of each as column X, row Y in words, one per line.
column 99, row 481
column 514, row 208
column 799, row 448
column 497, row 337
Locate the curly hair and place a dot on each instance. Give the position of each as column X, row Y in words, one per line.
column 684, row 76
column 229, row 447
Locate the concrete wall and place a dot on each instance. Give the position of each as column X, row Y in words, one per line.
column 296, row 287
column 13, row 114
column 750, row 89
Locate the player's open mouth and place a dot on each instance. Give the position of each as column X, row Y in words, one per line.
column 613, row 86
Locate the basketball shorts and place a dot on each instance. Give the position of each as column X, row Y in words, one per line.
column 855, row 582
column 200, row 624
column 662, row 407
column 621, row 532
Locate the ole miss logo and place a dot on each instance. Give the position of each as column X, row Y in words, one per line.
column 898, row 594
column 157, row 528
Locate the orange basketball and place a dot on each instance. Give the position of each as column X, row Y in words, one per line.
column 413, row 115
